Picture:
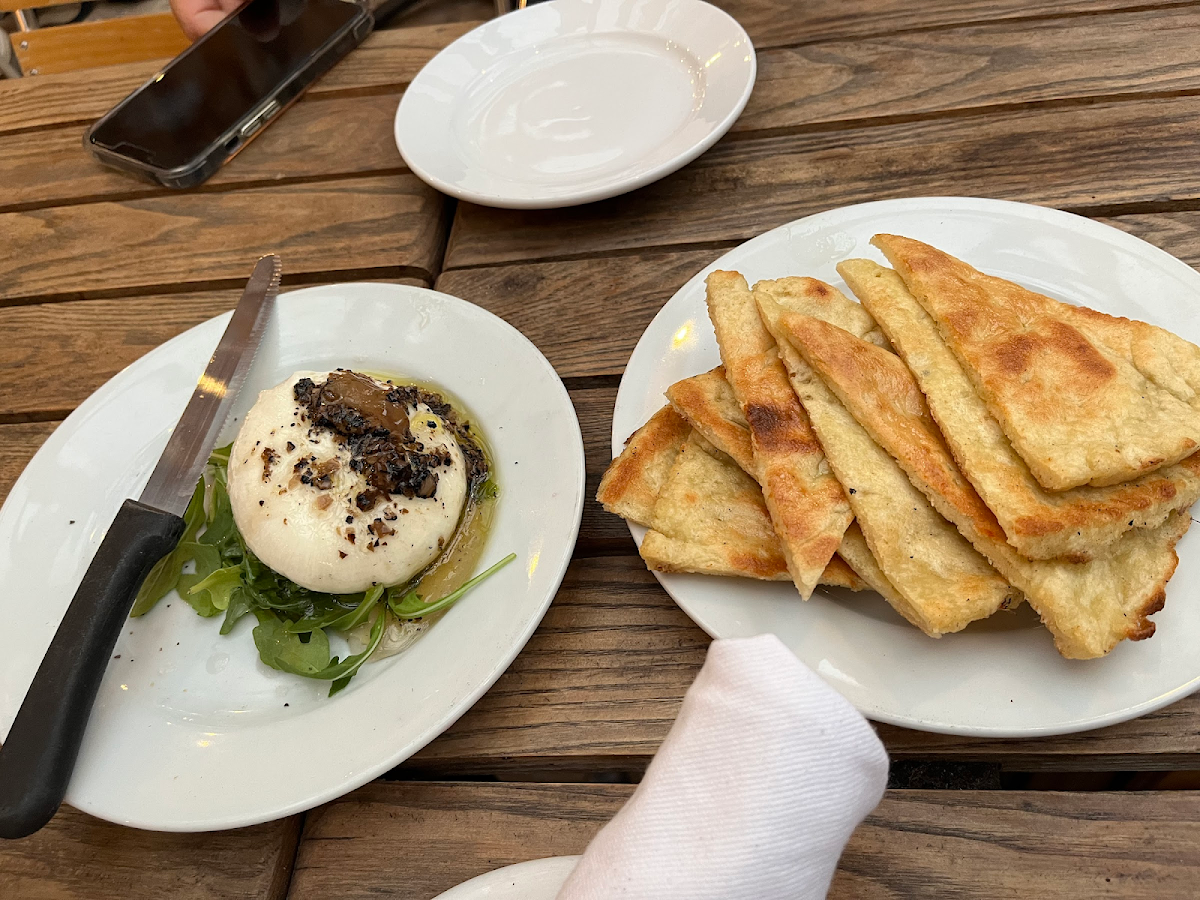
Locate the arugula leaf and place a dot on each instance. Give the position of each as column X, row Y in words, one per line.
column 284, row 651
column 239, row 604
column 220, row 586
column 165, row 575
column 410, row 606
column 338, row 618
column 341, row 673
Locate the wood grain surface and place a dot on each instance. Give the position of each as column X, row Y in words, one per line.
column 1103, row 159
column 385, row 225
column 917, row 844
column 86, row 342
column 87, row 45
column 77, row 857
column 318, row 138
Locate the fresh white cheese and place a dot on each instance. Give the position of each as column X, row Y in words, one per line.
column 319, row 538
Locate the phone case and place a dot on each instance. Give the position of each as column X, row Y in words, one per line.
column 206, row 164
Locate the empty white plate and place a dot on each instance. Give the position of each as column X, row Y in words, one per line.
column 572, row 101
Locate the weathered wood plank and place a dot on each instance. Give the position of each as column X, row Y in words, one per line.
column 77, row 857
column 315, row 139
column 86, row 342
column 386, row 59
column 384, row 222
column 600, row 683
column 916, row 844
column 950, row 70
column 86, row 45
column 781, row 23
column 585, row 315
column 1093, row 157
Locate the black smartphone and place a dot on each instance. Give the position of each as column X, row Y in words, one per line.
column 185, row 122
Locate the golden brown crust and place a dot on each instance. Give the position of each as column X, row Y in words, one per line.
column 880, row 392
column 1077, row 411
column 940, row 582
column 708, row 403
column 1041, row 524
column 806, row 503
column 1089, row 607
column 710, row 518
column 633, row 480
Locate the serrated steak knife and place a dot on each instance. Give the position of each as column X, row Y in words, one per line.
column 38, row 756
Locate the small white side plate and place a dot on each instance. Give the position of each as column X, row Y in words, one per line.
column 190, row 731
column 1001, row 677
column 538, row 879
column 572, row 101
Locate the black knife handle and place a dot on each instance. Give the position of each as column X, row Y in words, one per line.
column 39, row 754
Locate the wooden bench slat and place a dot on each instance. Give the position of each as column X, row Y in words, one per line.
column 337, row 137
column 1095, row 157
column 379, row 222
column 108, row 42
column 927, row 844
column 385, row 60
column 77, row 857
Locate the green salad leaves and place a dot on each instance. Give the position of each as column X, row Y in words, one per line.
column 291, row 634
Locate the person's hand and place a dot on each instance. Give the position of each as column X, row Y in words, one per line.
column 196, row 17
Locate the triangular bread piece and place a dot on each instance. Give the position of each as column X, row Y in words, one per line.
column 708, row 403
column 636, row 480
column 710, row 518
column 1088, row 607
column 808, row 507
column 942, row 582
column 1074, row 409
column 632, row 482
column 1076, row 524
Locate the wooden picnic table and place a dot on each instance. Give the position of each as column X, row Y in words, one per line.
column 1087, row 105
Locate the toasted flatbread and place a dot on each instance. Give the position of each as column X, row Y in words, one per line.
column 710, row 518
column 812, row 297
column 943, row 582
column 710, row 406
column 631, row 483
column 855, row 550
column 1076, row 411
column 1076, row 524
column 807, row 504
column 1088, row 607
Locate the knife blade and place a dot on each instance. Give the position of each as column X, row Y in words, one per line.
column 38, row 756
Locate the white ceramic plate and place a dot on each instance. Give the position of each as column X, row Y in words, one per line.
column 1001, row 677
column 575, row 100
column 190, row 731
column 537, row 879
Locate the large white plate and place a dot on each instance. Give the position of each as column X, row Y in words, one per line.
column 575, row 100
column 190, row 731
column 1001, row 677
column 537, row 879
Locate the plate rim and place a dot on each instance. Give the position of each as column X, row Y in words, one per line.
column 338, row 787
column 614, row 188
column 627, row 396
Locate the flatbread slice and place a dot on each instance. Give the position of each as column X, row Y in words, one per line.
column 1088, row 607
column 807, row 504
column 710, row 518
column 1076, row 524
column 632, row 482
column 711, row 408
column 941, row 583
column 1076, row 410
